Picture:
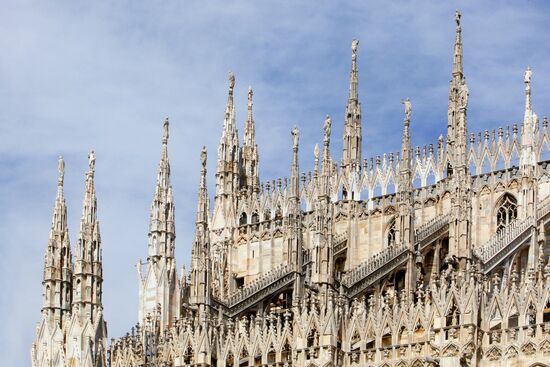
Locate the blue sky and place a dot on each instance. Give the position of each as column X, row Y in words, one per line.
column 76, row 76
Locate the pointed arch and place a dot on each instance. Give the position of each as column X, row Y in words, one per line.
column 506, row 210
column 390, row 233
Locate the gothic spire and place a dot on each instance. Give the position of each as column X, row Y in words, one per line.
column 458, row 71
column 200, row 252
column 229, row 123
column 229, row 138
column 249, row 152
column 229, row 168
column 202, row 206
column 295, row 172
column 406, row 140
column 325, row 160
column 88, row 273
column 352, row 119
column 58, row 259
column 327, row 127
column 250, row 131
column 530, row 121
column 162, row 231
column 353, row 78
column 458, row 105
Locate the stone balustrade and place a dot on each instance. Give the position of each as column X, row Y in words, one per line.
column 373, row 263
column 383, row 257
column 502, row 239
column 430, row 227
column 258, row 284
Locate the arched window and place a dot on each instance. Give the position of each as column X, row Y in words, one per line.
column 507, row 211
column 242, row 219
column 390, row 234
column 255, row 218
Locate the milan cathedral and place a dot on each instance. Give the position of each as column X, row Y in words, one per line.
column 432, row 256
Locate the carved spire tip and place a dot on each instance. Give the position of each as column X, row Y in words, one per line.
column 203, row 156
column 165, row 134
column 231, row 78
column 60, row 170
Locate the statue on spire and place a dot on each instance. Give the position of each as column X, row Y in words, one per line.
column 408, row 108
column 203, row 156
column 91, row 160
column 327, row 128
column 295, row 136
column 354, row 46
column 231, row 78
column 457, row 18
column 165, row 134
column 60, row 170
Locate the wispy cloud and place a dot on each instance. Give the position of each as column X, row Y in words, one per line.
column 103, row 76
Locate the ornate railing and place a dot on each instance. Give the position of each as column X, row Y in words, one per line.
column 373, row 263
column 430, row 228
column 372, row 269
column 257, row 284
column 503, row 239
column 340, row 242
column 543, row 208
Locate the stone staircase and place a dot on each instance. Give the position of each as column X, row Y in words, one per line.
column 383, row 262
column 267, row 284
column 340, row 243
column 373, row 267
column 431, row 230
column 506, row 241
column 503, row 242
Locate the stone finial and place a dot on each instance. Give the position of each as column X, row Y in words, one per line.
column 60, row 170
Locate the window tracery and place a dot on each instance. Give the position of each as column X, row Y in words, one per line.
column 390, row 234
column 506, row 212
